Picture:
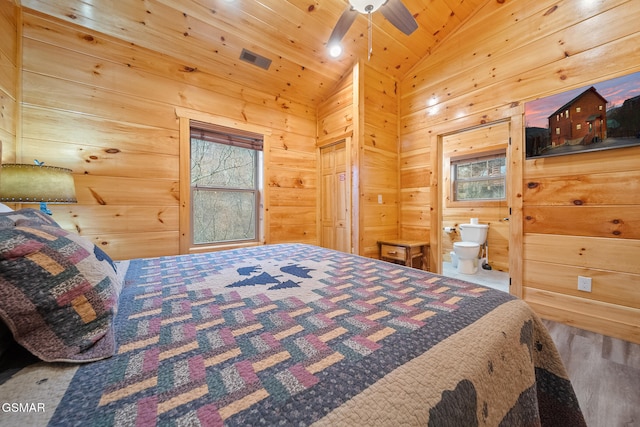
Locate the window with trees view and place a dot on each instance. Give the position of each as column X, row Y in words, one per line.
column 481, row 178
column 226, row 180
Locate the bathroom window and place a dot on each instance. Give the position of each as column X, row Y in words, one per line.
column 479, row 178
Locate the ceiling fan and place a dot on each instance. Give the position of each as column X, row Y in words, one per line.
column 394, row 10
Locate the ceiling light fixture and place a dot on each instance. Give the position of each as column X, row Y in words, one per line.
column 366, row 6
column 394, row 10
column 335, row 50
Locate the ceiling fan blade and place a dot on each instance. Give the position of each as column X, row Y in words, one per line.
column 398, row 14
column 342, row 26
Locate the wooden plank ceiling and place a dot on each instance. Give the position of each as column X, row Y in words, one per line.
column 209, row 35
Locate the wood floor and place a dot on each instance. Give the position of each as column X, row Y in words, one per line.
column 605, row 373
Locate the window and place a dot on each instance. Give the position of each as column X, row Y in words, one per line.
column 226, row 179
column 578, row 126
column 578, row 109
column 480, row 178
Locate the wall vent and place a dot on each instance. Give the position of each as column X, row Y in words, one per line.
column 255, row 59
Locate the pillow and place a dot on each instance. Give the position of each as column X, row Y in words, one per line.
column 25, row 216
column 58, row 291
column 5, row 208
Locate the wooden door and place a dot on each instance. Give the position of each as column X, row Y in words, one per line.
column 335, row 206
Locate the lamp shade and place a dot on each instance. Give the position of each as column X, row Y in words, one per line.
column 21, row 183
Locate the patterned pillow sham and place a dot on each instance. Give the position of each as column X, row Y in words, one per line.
column 25, row 216
column 58, row 292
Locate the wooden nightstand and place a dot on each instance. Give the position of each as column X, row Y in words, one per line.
column 406, row 252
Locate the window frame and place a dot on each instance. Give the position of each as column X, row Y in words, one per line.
column 452, row 164
column 215, row 134
column 185, row 117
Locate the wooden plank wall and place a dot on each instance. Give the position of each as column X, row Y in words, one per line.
column 8, row 79
column 378, row 162
column 365, row 106
column 106, row 109
column 507, row 54
column 336, row 114
column 338, row 119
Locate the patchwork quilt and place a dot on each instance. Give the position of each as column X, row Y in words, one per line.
column 295, row 334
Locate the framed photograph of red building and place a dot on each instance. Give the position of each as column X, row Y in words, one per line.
column 601, row 116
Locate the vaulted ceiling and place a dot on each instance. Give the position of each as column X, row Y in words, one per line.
column 211, row 34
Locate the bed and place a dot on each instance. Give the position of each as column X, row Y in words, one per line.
column 282, row 334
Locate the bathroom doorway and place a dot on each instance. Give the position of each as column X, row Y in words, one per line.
column 473, row 173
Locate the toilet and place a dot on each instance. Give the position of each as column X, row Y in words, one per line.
column 473, row 236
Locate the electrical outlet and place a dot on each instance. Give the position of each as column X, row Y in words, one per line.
column 584, row 284
column 380, row 199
